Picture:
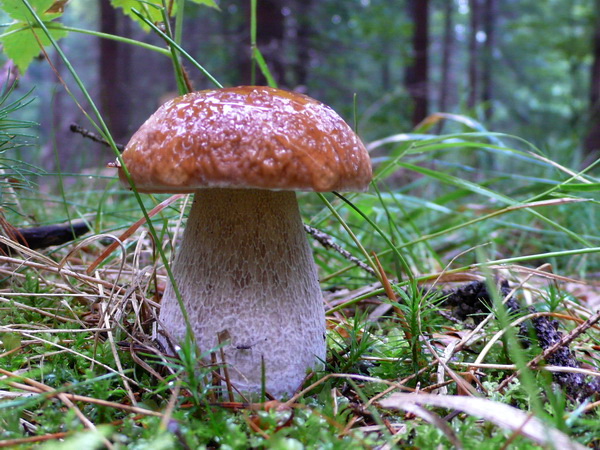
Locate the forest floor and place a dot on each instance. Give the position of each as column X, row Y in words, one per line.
column 490, row 354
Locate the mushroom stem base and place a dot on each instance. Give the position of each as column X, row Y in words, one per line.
column 246, row 274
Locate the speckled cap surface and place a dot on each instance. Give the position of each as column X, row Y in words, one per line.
column 246, row 137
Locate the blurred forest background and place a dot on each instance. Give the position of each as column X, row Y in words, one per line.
column 529, row 68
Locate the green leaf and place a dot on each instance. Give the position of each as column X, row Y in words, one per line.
column 262, row 64
column 580, row 187
column 10, row 341
column 209, row 3
column 18, row 11
column 150, row 10
column 20, row 41
column 23, row 45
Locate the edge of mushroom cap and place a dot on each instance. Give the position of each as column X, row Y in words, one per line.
column 246, row 137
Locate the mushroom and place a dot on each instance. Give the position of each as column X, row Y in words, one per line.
column 244, row 267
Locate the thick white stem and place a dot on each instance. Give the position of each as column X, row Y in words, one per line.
column 246, row 272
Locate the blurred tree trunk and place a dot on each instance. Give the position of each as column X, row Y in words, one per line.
column 447, row 52
column 114, row 72
column 65, row 150
column 473, row 81
column 417, row 73
column 386, row 74
column 591, row 144
column 303, row 36
column 269, row 39
column 487, row 82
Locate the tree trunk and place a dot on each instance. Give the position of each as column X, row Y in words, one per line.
column 65, row 151
column 269, row 39
column 489, row 27
column 591, row 144
column 114, row 72
column 417, row 73
column 303, row 36
column 447, row 52
column 473, row 82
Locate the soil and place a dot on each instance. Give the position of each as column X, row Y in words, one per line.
column 473, row 302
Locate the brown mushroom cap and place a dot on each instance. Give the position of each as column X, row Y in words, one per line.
column 246, row 137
